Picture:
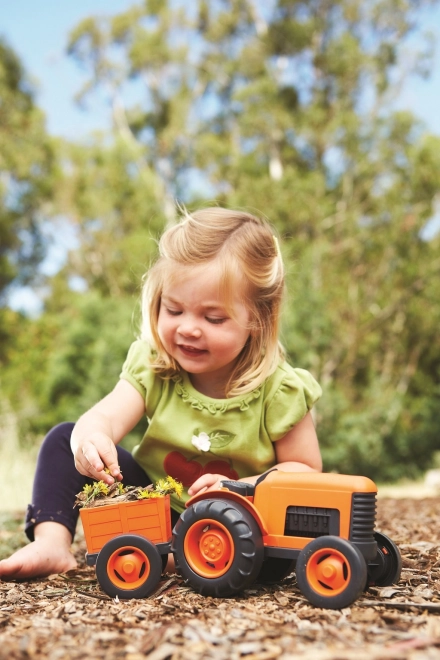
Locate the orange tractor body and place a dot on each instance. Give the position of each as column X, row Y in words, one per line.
column 312, row 504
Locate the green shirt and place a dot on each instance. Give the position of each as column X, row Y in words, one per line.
column 190, row 434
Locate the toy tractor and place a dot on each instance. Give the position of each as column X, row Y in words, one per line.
column 320, row 525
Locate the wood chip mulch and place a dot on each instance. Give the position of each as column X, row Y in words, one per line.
column 68, row 616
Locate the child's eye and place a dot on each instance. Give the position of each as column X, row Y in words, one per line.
column 172, row 312
column 215, row 321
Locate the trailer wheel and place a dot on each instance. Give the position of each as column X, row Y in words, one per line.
column 218, row 547
column 274, row 570
column 384, row 570
column 331, row 572
column 129, row 566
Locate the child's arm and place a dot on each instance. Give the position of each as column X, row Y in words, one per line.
column 298, row 451
column 101, row 428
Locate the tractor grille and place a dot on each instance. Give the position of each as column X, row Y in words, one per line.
column 311, row 522
column 363, row 517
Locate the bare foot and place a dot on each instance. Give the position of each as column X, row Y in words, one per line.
column 48, row 554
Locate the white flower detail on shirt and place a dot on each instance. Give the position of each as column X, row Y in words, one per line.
column 201, row 441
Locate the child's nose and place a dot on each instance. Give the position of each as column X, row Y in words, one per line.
column 189, row 328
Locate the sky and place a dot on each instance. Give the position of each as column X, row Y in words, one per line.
column 38, row 32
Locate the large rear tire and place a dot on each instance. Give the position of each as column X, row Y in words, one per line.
column 331, row 572
column 218, row 547
column 129, row 566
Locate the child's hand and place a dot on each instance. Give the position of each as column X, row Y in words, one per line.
column 206, row 482
column 95, row 454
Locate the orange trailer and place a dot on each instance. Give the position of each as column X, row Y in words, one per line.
column 129, row 543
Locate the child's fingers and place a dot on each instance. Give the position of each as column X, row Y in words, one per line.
column 94, row 456
column 88, row 462
column 202, row 483
column 205, row 482
column 109, row 457
column 92, row 459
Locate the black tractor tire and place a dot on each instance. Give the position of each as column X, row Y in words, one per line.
column 218, row 547
column 331, row 572
column 385, row 569
column 129, row 566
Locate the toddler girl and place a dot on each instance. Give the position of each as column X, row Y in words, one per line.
column 207, row 371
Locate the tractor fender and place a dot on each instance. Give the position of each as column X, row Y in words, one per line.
column 225, row 494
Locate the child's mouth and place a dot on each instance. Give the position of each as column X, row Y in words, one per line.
column 191, row 351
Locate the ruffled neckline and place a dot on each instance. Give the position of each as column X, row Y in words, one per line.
column 199, row 401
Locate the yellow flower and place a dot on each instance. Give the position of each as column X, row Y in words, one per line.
column 101, row 487
column 176, row 486
column 144, row 494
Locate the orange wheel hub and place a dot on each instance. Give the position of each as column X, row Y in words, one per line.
column 128, row 567
column 209, row 548
column 328, row 572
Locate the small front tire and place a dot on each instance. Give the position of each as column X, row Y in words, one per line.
column 331, row 572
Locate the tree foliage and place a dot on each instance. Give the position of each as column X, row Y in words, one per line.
column 26, row 179
column 288, row 109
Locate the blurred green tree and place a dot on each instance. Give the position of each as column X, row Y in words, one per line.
column 286, row 108
column 112, row 200
column 27, row 172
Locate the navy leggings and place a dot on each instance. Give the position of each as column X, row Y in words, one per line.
column 57, row 481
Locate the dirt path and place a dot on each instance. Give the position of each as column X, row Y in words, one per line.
column 68, row 616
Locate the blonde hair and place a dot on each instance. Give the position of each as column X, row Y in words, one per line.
column 246, row 250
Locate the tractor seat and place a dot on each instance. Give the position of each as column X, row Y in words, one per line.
column 239, row 487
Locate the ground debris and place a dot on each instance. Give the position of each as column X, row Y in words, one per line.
column 68, row 616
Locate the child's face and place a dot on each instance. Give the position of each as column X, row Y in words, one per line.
column 196, row 329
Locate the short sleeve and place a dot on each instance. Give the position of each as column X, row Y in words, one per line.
column 292, row 399
column 137, row 372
